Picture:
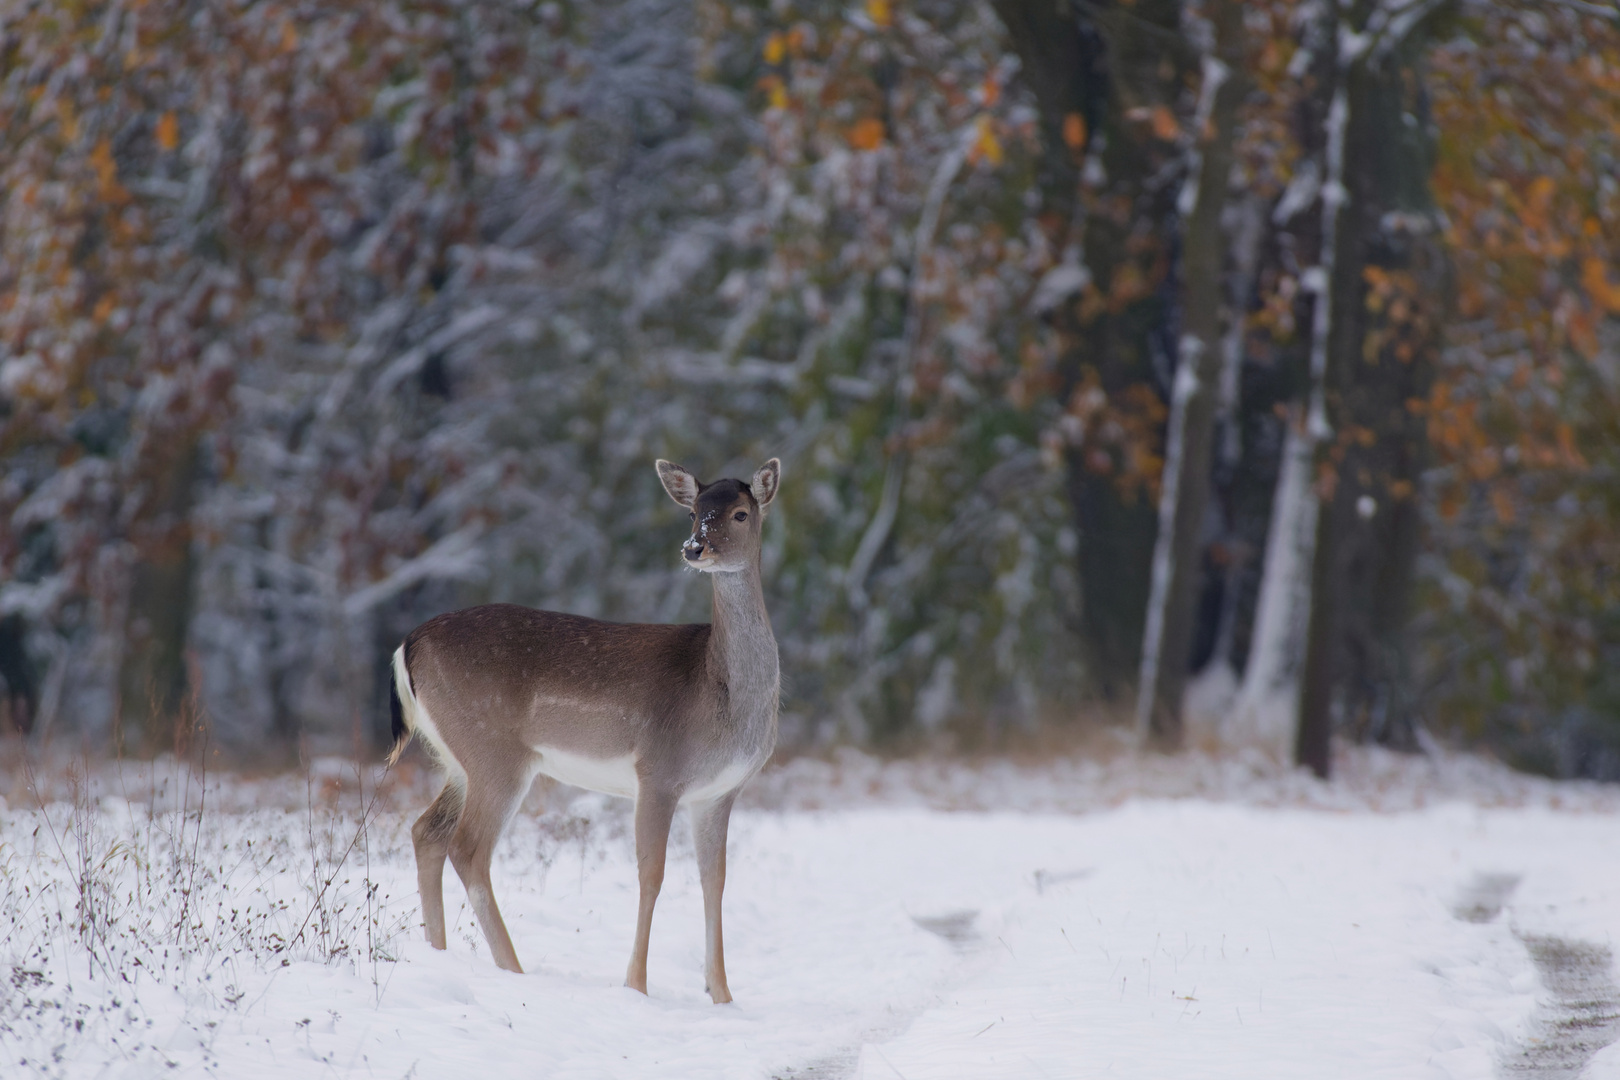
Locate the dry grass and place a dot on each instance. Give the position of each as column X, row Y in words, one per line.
column 126, row 886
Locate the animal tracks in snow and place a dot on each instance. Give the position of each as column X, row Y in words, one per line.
column 1582, row 1014
column 1483, row 898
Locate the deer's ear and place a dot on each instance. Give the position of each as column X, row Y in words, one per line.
column 681, row 485
column 766, row 479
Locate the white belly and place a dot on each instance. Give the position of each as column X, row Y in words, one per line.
column 611, row 776
column 617, row 775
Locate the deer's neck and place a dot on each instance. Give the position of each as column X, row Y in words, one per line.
column 742, row 649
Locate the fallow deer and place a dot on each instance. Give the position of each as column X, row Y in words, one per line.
column 667, row 715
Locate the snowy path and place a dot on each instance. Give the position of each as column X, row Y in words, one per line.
column 1186, row 939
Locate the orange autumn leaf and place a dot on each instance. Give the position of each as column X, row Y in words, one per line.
column 1164, row 124
column 101, row 160
column 168, row 131
column 867, row 134
column 289, row 36
column 1567, row 448
column 1541, row 194
column 1074, row 131
column 68, row 120
column 1450, row 505
column 1502, row 504
column 1595, row 280
column 880, row 12
column 1582, row 332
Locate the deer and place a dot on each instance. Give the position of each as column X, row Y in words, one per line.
column 667, row 715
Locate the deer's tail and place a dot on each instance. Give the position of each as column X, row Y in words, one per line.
column 402, row 706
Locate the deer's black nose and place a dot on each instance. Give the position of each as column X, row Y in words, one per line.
column 693, row 550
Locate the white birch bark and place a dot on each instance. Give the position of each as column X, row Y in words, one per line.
column 1187, row 384
column 1267, row 711
column 1265, row 714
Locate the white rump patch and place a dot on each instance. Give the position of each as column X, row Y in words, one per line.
column 420, row 723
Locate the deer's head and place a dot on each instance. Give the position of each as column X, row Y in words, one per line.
column 726, row 515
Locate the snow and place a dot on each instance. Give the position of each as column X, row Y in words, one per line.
column 1112, row 915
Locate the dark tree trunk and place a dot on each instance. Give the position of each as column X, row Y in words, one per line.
column 1099, row 63
column 19, row 675
column 1389, row 289
column 152, row 680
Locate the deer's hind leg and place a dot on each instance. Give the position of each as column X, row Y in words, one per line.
column 431, row 837
column 493, row 795
column 654, row 811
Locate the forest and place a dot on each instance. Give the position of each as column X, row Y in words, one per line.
column 1121, row 355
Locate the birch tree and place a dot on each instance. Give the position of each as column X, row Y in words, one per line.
column 1185, row 484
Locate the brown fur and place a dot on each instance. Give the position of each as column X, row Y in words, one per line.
column 502, row 692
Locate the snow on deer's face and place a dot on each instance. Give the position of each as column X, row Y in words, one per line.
column 726, row 515
column 725, row 528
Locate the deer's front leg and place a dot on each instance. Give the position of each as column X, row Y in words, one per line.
column 654, row 810
column 709, row 824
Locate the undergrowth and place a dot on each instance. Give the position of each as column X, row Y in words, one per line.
column 112, row 899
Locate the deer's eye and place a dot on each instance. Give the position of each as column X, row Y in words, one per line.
column 741, row 515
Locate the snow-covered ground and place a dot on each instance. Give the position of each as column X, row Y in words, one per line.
column 1193, row 917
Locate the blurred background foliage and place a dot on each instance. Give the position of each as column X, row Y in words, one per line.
column 316, row 321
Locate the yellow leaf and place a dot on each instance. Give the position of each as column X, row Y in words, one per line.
column 168, row 131
column 775, row 48
column 985, row 144
column 1074, row 131
column 880, row 12
column 867, row 134
column 775, row 93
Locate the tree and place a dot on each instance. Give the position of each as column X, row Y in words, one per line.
column 1184, row 489
column 1517, row 637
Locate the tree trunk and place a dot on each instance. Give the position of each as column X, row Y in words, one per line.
column 152, row 678
column 1092, row 69
column 1387, row 287
column 19, row 678
column 1184, row 490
